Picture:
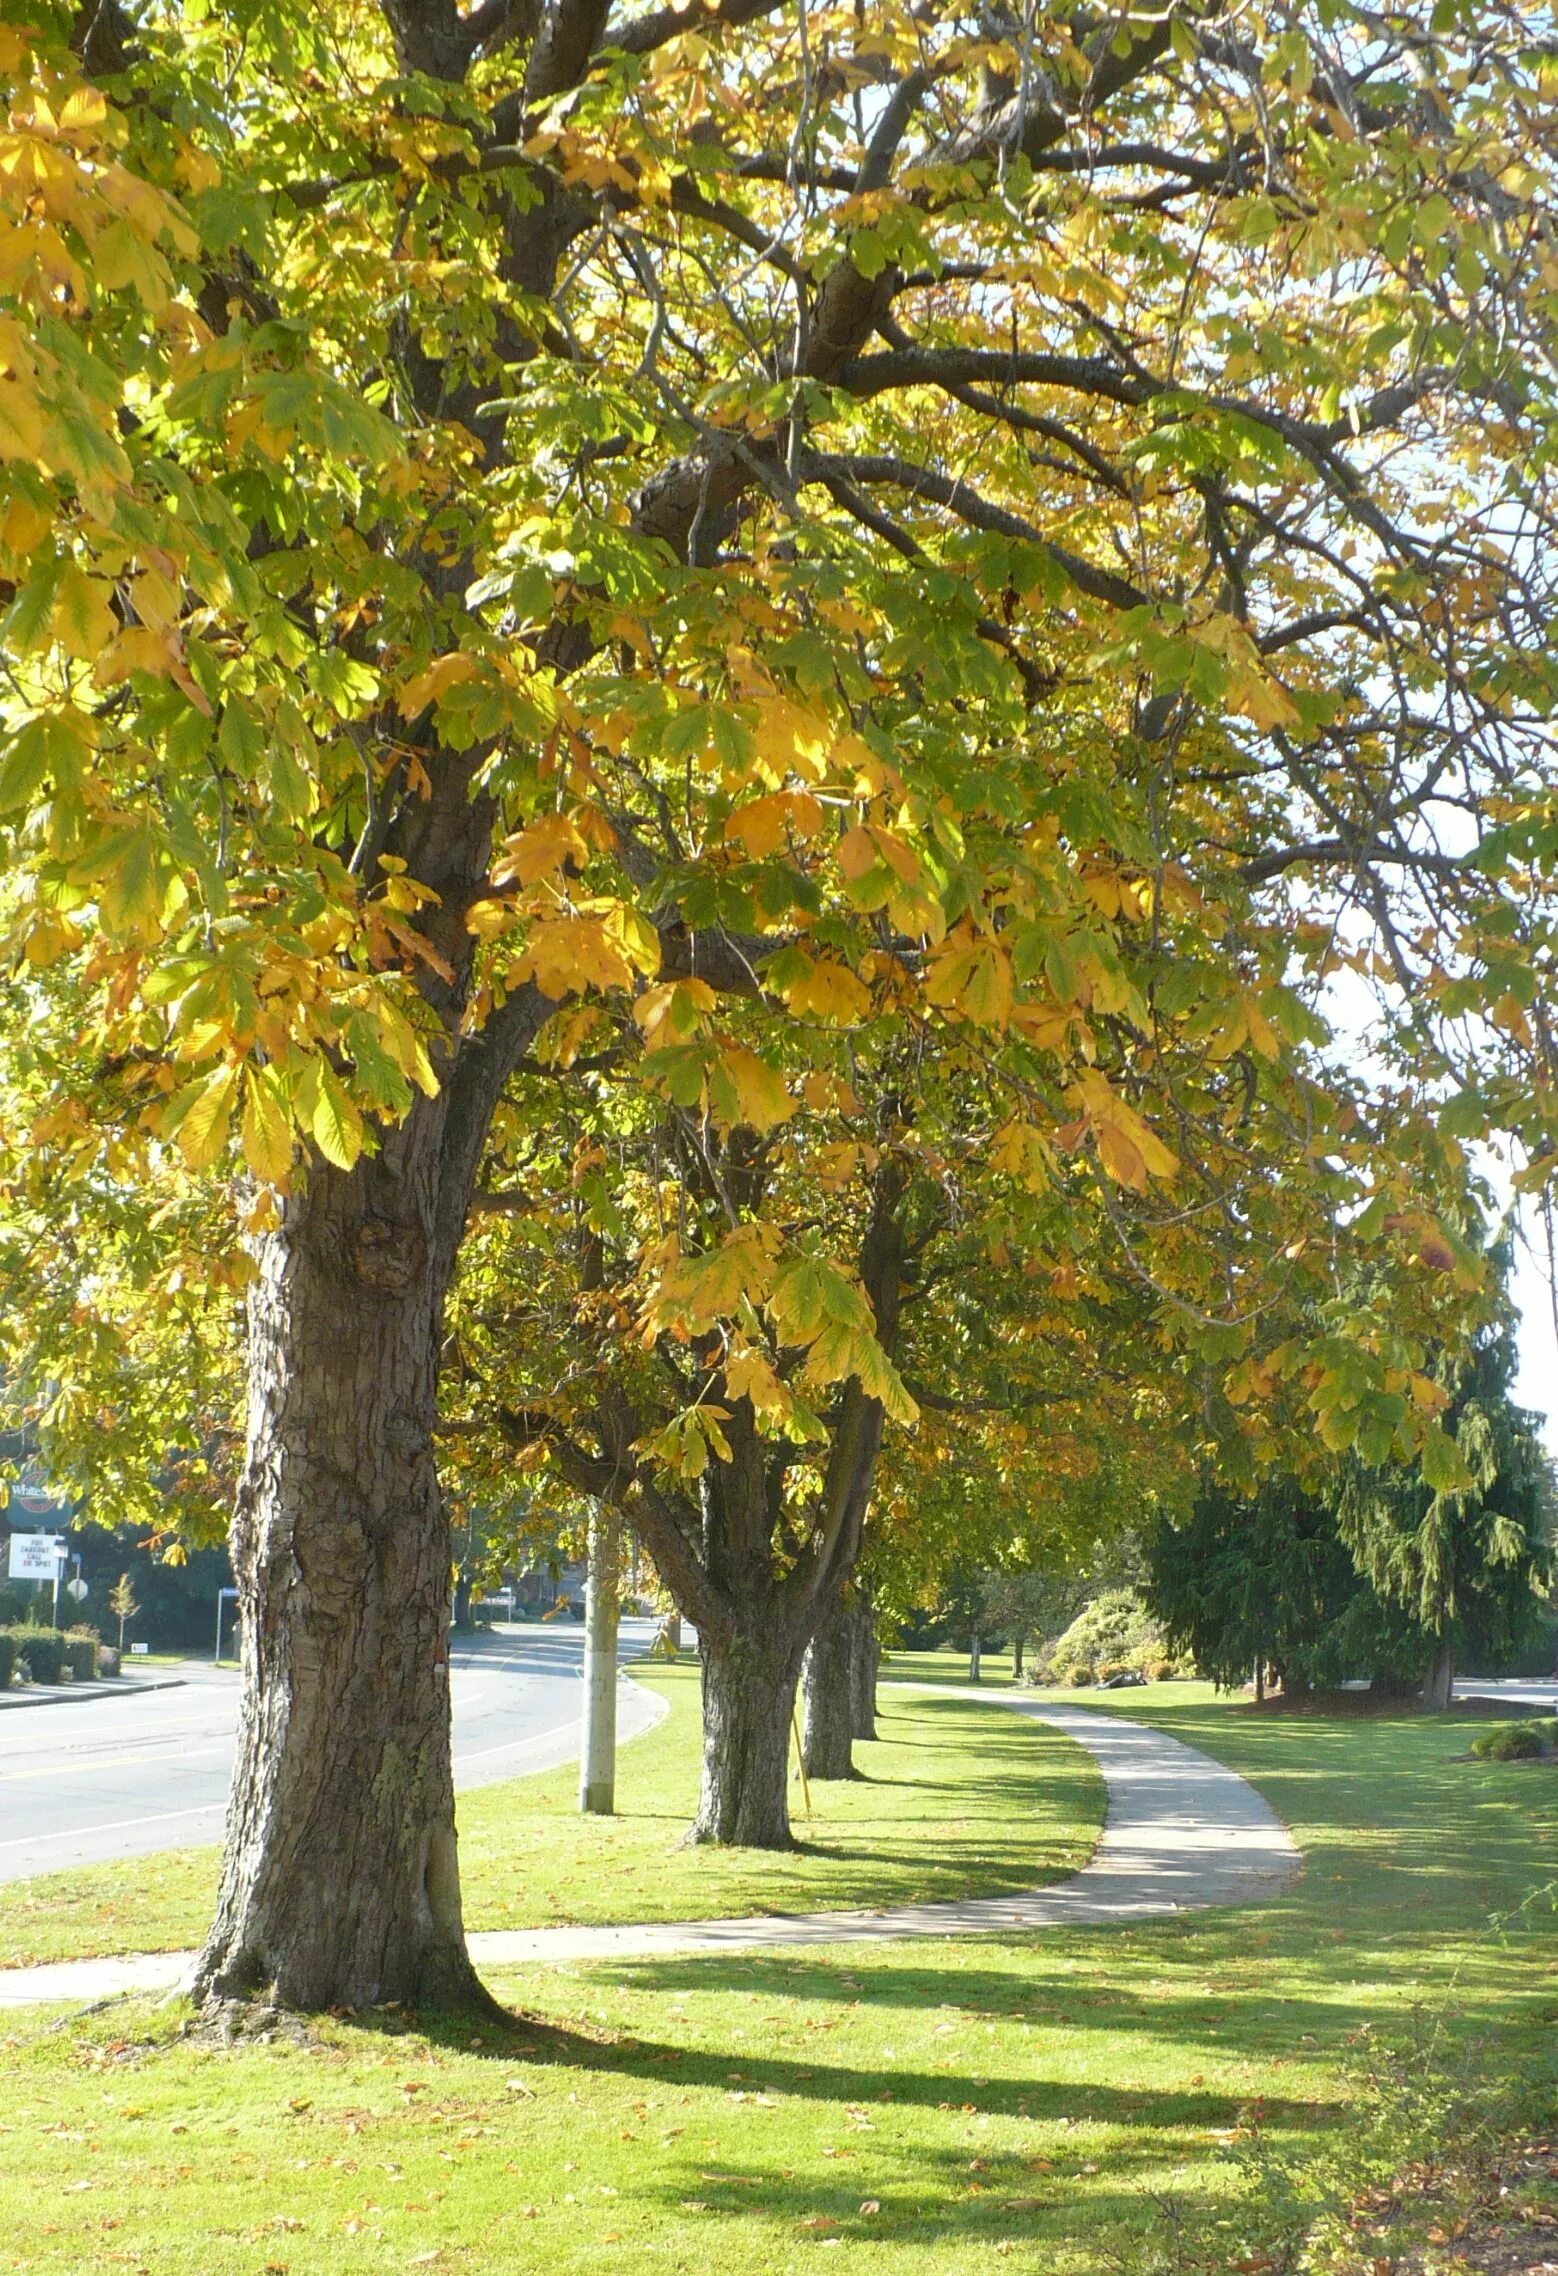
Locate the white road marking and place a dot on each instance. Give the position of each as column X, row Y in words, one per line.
column 119, row 1825
column 70, row 1767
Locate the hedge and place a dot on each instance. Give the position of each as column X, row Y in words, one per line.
column 7, row 1658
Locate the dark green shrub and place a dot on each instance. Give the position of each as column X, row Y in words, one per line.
column 44, row 1651
column 1507, row 1742
column 81, row 1651
column 7, row 1658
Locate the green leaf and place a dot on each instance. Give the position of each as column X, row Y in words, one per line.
column 1443, row 1465
column 240, row 738
column 329, row 1114
column 128, row 878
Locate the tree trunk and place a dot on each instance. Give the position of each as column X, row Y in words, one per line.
column 828, row 1714
column 748, row 1699
column 462, row 1600
column 340, row 1885
column 973, row 1658
column 1019, row 1647
column 598, row 1754
column 864, row 1656
column 1439, row 1684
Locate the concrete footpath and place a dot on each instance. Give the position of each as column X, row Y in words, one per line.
column 1182, row 1834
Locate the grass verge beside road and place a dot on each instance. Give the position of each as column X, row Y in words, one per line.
column 954, row 1803
column 1084, row 2103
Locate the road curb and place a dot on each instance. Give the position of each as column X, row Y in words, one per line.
column 56, row 1694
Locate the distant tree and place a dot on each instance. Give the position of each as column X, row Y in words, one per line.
column 1251, row 1581
column 1467, row 1558
column 122, row 1603
column 1392, row 1573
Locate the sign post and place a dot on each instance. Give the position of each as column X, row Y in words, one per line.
column 39, row 1557
column 224, row 1597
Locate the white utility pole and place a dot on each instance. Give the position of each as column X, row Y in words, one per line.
column 598, row 1754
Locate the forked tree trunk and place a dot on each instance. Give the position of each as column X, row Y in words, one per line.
column 864, row 1658
column 339, row 1883
column 828, row 1713
column 1439, row 1684
column 749, row 1679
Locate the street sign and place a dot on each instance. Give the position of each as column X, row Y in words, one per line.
column 139, row 1651
column 76, row 1589
column 36, row 1556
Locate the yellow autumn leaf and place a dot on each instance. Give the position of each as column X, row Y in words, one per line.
column 136, row 649
column 744, row 1089
column 750, row 1375
column 764, row 824
column 21, row 422
column 443, row 673
column 83, row 623
column 826, row 989
column 565, row 955
column 203, row 1123
column 972, row 977
column 265, row 1129
column 787, row 740
column 540, row 849
column 673, row 1010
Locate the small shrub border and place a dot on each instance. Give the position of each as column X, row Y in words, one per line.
column 50, row 1654
column 1517, row 1742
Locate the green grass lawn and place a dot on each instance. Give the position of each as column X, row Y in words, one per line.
column 952, row 1804
column 1077, row 2102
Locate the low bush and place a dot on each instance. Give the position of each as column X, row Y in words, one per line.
column 81, row 1651
column 1508, row 1742
column 7, row 1659
column 42, row 1650
column 1115, row 1634
column 1159, row 1671
column 108, row 1659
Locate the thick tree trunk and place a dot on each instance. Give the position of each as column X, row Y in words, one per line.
column 1019, row 1648
column 973, row 1658
column 1439, row 1683
column 864, row 1658
column 749, row 1682
column 462, row 1601
column 828, row 1713
column 339, row 1884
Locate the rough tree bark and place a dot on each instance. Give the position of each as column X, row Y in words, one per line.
column 828, row 1712
column 1439, row 1683
column 340, row 1885
column 749, row 1678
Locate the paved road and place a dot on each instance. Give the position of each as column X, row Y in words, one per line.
column 1523, row 1692
column 91, row 1779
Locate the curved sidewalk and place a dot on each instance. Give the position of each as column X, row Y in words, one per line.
column 1182, row 1833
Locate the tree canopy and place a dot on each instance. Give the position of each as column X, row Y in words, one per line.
column 907, row 600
